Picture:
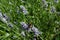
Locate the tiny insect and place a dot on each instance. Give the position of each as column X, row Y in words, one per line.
column 30, row 25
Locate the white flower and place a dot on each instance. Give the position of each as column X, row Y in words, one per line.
column 5, row 16
column 24, row 25
column 46, row 5
column 22, row 1
column 23, row 9
column 10, row 24
column 23, row 33
column 3, row 20
column 37, row 33
column 14, row 37
column 1, row 15
column 56, row 1
column 53, row 9
column 57, row 22
column 44, row 1
column 34, row 29
column 34, row 39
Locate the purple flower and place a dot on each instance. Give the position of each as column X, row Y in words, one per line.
column 23, row 9
column 53, row 9
column 24, row 25
column 35, row 30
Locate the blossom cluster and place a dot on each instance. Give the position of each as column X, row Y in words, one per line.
column 29, row 29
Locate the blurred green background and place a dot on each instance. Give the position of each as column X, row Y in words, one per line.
column 48, row 23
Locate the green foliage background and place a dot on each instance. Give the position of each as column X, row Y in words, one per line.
column 38, row 16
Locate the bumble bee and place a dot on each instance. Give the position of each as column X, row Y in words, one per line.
column 30, row 25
